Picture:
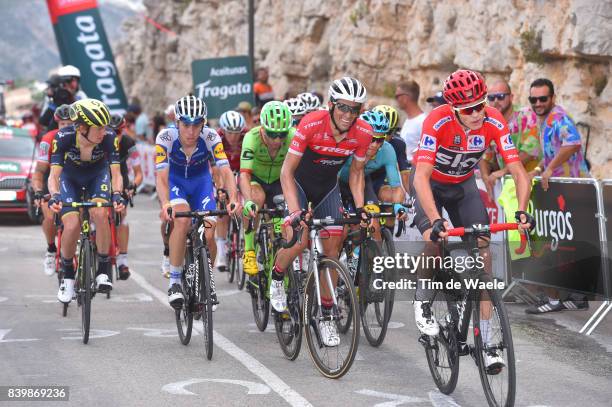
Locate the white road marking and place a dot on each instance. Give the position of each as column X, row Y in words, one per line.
column 2, row 299
column 395, row 325
column 157, row 332
column 226, row 293
column 178, row 388
column 4, row 332
column 93, row 333
column 396, row 399
column 44, row 298
column 441, row 400
column 253, row 365
column 137, row 297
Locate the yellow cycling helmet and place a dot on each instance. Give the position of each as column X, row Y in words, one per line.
column 90, row 112
column 391, row 114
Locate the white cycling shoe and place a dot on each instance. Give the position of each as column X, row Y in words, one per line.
column 103, row 283
column 424, row 319
column 493, row 361
column 49, row 264
column 66, row 291
column 278, row 297
column 329, row 333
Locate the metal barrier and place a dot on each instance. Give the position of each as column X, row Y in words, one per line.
column 568, row 254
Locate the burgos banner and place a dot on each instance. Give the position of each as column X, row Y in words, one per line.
column 222, row 83
column 82, row 42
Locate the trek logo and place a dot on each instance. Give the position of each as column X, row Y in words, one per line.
column 336, row 150
column 326, row 161
column 309, row 125
column 476, row 143
column 506, row 142
column 440, row 122
column 428, row 143
column 456, row 163
column 554, row 223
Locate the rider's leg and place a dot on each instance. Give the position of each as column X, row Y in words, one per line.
column 249, row 261
column 49, row 230
column 177, row 242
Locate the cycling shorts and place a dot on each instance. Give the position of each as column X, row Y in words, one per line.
column 271, row 190
column 330, row 205
column 370, row 194
column 97, row 186
column 198, row 193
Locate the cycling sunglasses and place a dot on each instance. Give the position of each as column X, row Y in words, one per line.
column 534, row 99
column 470, row 109
column 277, row 134
column 378, row 140
column 348, row 109
column 496, row 96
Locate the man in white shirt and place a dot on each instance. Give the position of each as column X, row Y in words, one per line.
column 407, row 96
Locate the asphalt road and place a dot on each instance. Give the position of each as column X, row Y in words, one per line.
column 134, row 357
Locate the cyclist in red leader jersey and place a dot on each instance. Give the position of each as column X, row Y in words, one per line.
column 322, row 143
column 454, row 137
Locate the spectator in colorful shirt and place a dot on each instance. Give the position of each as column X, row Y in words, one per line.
column 262, row 89
column 523, row 127
column 562, row 151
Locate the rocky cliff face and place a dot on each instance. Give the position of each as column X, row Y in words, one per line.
column 306, row 44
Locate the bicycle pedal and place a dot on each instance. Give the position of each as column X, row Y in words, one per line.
column 464, row 349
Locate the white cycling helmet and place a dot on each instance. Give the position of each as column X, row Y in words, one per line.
column 296, row 106
column 190, row 110
column 232, row 121
column 69, row 71
column 311, row 101
column 347, row 88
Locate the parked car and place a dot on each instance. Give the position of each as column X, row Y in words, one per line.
column 17, row 164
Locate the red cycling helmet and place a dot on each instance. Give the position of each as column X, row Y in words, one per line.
column 463, row 87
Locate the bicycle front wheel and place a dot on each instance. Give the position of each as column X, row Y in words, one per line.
column 232, row 252
column 442, row 350
column 493, row 342
column 332, row 361
column 374, row 296
column 206, row 301
column 388, row 250
column 184, row 316
column 288, row 324
column 86, row 271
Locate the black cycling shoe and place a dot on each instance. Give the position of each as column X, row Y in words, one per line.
column 175, row 296
column 124, row 272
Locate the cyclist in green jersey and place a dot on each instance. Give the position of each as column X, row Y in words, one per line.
column 263, row 151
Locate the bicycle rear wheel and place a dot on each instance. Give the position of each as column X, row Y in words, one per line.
column 374, row 298
column 86, row 270
column 494, row 337
column 206, row 301
column 288, row 324
column 344, row 302
column 442, row 350
column 232, row 251
column 333, row 361
column 259, row 301
column 388, row 250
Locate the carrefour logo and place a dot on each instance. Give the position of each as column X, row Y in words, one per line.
column 476, row 143
column 506, row 142
column 428, row 143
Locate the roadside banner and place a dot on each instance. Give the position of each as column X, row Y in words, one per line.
column 82, row 42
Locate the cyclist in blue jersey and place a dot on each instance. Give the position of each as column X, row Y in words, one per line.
column 184, row 181
column 80, row 158
column 381, row 157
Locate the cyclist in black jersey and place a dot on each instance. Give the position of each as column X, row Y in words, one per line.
column 128, row 158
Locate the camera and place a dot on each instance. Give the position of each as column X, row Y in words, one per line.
column 57, row 92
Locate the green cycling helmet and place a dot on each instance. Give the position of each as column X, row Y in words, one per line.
column 276, row 117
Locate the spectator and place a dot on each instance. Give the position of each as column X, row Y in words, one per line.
column 244, row 108
column 263, row 91
column 129, row 130
column 57, row 94
column 255, row 114
column 562, row 154
column 158, row 123
column 170, row 116
column 523, row 127
column 407, row 96
column 71, row 78
column 436, row 100
column 141, row 125
column 562, row 157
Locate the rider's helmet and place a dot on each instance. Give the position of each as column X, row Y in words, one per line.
column 463, row 87
column 190, row 110
column 62, row 113
column 232, row 121
column 296, row 106
column 378, row 121
column 311, row 101
column 90, row 112
column 276, row 117
column 117, row 122
column 390, row 113
column 347, row 88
